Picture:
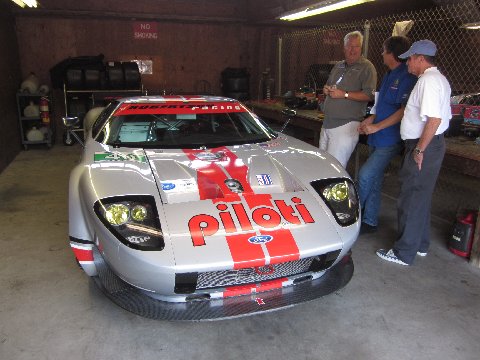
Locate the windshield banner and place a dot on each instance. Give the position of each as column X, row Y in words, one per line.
column 180, row 108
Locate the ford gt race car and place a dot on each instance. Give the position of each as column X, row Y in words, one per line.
column 191, row 208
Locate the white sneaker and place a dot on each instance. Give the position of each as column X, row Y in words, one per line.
column 389, row 256
column 422, row 254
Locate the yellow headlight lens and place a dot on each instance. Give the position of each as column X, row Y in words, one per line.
column 117, row 214
column 139, row 213
column 338, row 192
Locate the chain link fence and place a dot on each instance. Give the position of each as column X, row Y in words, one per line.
column 306, row 58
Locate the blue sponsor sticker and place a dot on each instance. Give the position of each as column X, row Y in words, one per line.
column 260, row 239
column 168, row 186
column 264, row 179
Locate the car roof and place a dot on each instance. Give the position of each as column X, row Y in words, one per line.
column 176, row 99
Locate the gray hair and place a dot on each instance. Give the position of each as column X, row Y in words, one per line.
column 353, row 34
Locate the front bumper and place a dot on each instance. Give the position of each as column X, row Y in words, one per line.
column 138, row 302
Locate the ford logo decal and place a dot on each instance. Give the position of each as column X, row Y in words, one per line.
column 260, row 239
column 168, row 186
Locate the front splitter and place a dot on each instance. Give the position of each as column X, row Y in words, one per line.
column 137, row 302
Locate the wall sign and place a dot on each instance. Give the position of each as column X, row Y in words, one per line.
column 145, row 30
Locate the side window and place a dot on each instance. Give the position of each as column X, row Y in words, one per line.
column 102, row 118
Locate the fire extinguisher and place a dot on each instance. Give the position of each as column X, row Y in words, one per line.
column 462, row 238
column 44, row 112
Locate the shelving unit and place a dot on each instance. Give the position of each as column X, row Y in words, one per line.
column 78, row 102
column 26, row 123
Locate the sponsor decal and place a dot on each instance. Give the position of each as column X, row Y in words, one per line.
column 167, row 186
column 259, row 301
column 260, row 239
column 264, row 217
column 178, row 185
column 180, row 108
column 118, row 156
column 264, row 179
column 138, row 239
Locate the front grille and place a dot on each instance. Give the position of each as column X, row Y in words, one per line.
column 212, row 279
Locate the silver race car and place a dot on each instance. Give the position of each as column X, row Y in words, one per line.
column 190, row 208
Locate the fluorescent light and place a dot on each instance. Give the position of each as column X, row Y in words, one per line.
column 23, row 3
column 471, row 26
column 320, row 8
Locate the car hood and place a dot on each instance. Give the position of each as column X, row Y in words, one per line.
column 234, row 206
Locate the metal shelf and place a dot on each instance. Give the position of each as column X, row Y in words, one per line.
column 23, row 99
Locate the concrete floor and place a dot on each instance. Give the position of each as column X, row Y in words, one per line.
column 50, row 310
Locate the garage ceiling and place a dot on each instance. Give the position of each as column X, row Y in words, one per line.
column 244, row 11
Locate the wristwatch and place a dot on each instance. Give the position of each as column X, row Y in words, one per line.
column 346, row 95
column 417, row 151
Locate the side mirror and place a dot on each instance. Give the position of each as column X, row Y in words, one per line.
column 70, row 122
column 71, row 128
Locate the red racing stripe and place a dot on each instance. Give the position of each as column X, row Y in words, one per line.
column 210, row 178
column 83, row 254
column 244, row 253
column 283, row 247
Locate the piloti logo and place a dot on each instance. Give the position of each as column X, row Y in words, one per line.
column 265, row 217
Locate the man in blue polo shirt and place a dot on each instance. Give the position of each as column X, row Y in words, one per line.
column 383, row 129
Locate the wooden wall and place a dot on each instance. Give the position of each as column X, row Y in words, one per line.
column 10, row 143
column 182, row 54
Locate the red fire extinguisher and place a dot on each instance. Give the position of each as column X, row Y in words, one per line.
column 462, row 238
column 44, row 112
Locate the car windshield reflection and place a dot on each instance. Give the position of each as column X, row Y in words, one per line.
column 185, row 130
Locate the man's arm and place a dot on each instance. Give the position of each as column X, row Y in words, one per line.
column 352, row 95
column 389, row 121
column 427, row 135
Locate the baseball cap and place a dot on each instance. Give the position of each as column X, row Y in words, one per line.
column 421, row 47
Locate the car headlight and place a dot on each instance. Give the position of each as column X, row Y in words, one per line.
column 340, row 196
column 133, row 220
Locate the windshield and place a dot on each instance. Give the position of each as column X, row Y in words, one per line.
column 187, row 130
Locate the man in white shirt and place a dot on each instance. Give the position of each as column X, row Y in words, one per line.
column 426, row 118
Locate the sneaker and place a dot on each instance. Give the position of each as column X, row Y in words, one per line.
column 422, row 254
column 367, row 228
column 389, row 256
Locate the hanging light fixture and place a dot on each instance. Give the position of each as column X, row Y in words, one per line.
column 23, row 3
column 320, row 8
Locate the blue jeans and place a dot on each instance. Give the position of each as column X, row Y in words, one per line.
column 370, row 180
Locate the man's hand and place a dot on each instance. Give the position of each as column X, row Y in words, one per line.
column 326, row 90
column 370, row 129
column 364, row 123
column 336, row 93
column 418, row 158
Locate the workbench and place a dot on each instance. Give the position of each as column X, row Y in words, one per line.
column 462, row 154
